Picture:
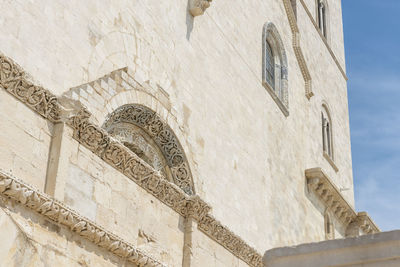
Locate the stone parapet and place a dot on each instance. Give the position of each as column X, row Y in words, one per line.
column 381, row 249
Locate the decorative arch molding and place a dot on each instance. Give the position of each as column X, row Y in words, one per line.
column 163, row 136
column 279, row 91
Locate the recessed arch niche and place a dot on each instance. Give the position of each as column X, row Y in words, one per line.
column 142, row 131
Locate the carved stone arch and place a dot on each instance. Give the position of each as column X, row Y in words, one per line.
column 280, row 93
column 119, row 123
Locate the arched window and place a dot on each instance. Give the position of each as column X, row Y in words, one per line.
column 329, row 227
column 322, row 13
column 274, row 67
column 142, row 131
column 327, row 136
column 270, row 65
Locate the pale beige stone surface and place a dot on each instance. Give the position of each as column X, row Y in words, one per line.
column 203, row 77
column 382, row 249
column 24, row 140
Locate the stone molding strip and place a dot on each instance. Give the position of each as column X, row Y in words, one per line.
column 325, row 189
column 297, row 48
column 122, row 159
column 15, row 81
column 221, row 234
column 58, row 212
column 163, row 136
column 324, row 40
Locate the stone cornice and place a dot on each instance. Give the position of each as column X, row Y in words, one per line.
column 15, row 81
column 124, row 160
column 59, row 213
column 330, row 195
column 324, row 188
column 297, row 48
column 366, row 224
column 324, row 40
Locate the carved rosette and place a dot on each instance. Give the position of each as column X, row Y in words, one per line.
column 198, row 7
column 14, row 80
column 162, row 135
column 59, row 213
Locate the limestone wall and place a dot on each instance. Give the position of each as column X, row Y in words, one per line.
column 202, row 76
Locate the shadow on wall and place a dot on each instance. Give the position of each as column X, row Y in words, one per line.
column 189, row 22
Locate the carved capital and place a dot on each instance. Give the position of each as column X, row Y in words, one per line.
column 198, row 7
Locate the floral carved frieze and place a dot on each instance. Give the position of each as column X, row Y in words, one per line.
column 215, row 230
column 198, row 7
column 57, row 212
column 163, row 136
column 14, row 80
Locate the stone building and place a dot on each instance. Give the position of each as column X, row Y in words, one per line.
column 172, row 133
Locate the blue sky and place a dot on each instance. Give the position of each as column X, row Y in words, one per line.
column 372, row 43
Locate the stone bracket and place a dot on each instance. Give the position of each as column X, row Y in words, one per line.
column 330, row 195
column 198, row 7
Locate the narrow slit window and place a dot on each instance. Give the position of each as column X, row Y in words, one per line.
column 327, row 140
column 270, row 66
column 322, row 17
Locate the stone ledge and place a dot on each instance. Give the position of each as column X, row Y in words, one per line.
column 331, row 162
column 376, row 248
column 277, row 100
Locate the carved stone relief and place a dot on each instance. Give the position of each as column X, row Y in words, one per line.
column 142, row 145
column 14, row 80
column 198, row 7
column 162, row 135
